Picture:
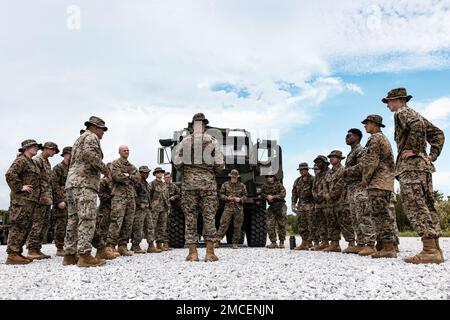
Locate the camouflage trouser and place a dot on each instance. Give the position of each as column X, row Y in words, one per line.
column 276, row 217
column 342, row 211
column 137, row 233
column 359, row 209
column 161, row 226
column 150, row 226
column 194, row 202
column 82, row 212
column 319, row 224
column 20, row 225
column 40, row 225
column 416, row 189
column 305, row 220
column 122, row 216
column 102, row 225
column 379, row 207
column 59, row 226
column 331, row 218
column 227, row 215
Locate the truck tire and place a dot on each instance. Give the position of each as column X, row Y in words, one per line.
column 176, row 229
column 256, row 228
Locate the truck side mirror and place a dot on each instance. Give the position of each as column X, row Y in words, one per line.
column 163, row 156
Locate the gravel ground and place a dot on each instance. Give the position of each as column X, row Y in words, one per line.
column 247, row 273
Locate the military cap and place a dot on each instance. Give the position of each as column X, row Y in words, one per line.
column 29, row 143
column 396, row 94
column 200, row 117
column 158, row 169
column 144, row 169
column 323, row 158
column 302, row 166
column 336, row 153
column 96, row 121
column 375, row 119
column 66, row 150
column 51, row 145
column 234, row 173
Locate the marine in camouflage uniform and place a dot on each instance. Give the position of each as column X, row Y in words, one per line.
column 303, row 206
column 274, row 192
column 199, row 160
column 24, row 180
column 320, row 232
column 82, row 185
column 104, row 220
column 41, row 218
column 414, row 170
column 363, row 224
column 234, row 194
column 142, row 212
column 174, row 199
column 337, row 212
column 160, row 207
column 59, row 212
column 123, row 202
column 378, row 177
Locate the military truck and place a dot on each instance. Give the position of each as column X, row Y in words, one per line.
column 4, row 226
column 253, row 160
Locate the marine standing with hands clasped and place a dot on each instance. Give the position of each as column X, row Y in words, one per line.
column 275, row 193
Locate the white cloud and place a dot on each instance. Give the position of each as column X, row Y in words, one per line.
column 437, row 111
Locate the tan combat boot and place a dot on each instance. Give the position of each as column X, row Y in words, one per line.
column 217, row 244
column 234, row 246
column 368, row 250
column 45, row 256
column 315, row 245
column 388, row 251
column 396, row 248
column 160, row 246
column 355, row 249
column 273, row 245
column 438, row 246
column 137, row 249
column 34, row 254
column 379, row 246
column 152, row 248
column 59, row 252
column 210, row 256
column 105, row 253
column 14, row 258
column 322, row 246
column 351, row 244
column 69, row 260
column 429, row 254
column 86, row 261
column 333, row 247
column 123, row 250
column 303, row 246
column 112, row 250
column 281, row 245
column 193, row 254
column 167, row 246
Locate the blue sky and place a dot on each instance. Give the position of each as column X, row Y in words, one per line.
column 305, row 71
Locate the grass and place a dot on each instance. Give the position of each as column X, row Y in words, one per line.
column 414, row 234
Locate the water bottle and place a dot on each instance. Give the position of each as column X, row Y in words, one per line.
column 292, row 243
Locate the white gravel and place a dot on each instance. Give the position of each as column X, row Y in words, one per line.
column 246, row 273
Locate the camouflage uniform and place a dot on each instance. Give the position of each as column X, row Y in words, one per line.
column 378, row 173
column 103, row 214
column 232, row 210
column 143, row 215
column 276, row 213
column 41, row 217
column 302, row 193
column 199, row 188
column 160, row 207
column 60, row 172
column 358, row 197
column 23, row 171
column 174, row 198
column 82, row 185
column 123, row 202
column 337, row 212
column 320, row 232
column 412, row 132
